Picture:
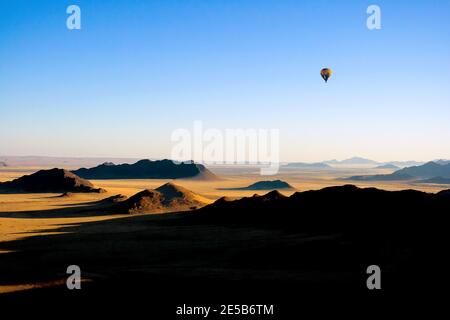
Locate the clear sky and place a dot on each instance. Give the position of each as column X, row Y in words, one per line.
column 137, row 70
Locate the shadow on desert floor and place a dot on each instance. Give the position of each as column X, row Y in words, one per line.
column 154, row 246
column 314, row 239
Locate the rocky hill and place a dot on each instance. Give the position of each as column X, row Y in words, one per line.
column 53, row 180
column 264, row 185
column 166, row 198
column 147, row 169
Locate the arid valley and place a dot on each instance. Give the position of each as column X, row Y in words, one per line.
column 27, row 214
column 194, row 230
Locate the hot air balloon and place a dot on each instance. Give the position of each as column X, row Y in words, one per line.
column 326, row 73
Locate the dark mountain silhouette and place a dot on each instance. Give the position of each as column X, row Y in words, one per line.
column 108, row 163
column 303, row 165
column 3, row 164
column 166, row 198
column 444, row 193
column 427, row 171
column 53, row 180
column 272, row 195
column 332, row 207
column 387, row 166
column 147, row 169
column 349, row 228
column 264, row 185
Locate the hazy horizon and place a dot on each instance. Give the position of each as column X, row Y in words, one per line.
column 138, row 70
column 3, row 156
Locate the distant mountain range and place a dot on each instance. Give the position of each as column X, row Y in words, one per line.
column 368, row 162
column 265, row 185
column 442, row 161
column 387, row 166
column 358, row 161
column 147, row 169
column 436, row 180
column 427, row 171
column 404, row 164
column 353, row 160
column 59, row 162
column 53, row 180
column 380, row 177
column 303, row 165
column 430, row 170
column 3, row 164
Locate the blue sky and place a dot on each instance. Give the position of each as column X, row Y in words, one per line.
column 137, row 70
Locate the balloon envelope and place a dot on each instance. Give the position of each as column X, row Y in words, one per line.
column 326, row 73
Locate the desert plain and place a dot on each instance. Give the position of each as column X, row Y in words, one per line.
column 31, row 221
